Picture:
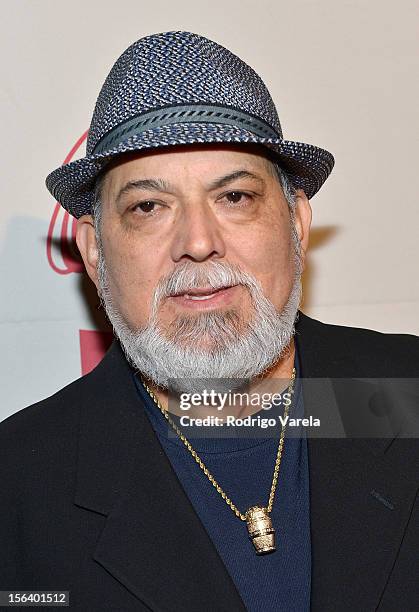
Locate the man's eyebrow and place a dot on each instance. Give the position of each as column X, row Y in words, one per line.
column 144, row 184
column 158, row 184
column 233, row 176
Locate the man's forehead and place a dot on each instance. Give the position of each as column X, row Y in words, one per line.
column 206, row 161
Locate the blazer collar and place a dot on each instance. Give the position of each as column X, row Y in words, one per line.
column 153, row 541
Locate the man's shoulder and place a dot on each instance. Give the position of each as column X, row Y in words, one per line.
column 61, row 410
column 41, row 442
column 45, row 423
column 56, row 419
column 397, row 353
column 359, row 333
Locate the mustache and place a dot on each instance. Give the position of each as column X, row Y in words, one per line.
column 189, row 276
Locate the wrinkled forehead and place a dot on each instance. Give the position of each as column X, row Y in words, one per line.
column 205, row 159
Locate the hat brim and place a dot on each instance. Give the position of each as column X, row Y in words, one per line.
column 73, row 184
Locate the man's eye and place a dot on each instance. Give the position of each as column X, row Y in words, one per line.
column 236, row 197
column 145, row 207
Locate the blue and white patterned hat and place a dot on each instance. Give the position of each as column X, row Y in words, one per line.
column 179, row 88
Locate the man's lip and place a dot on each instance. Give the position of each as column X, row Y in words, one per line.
column 201, row 291
column 205, row 298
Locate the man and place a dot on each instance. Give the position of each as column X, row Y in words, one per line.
column 194, row 219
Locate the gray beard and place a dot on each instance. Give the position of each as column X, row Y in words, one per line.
column 199, row 350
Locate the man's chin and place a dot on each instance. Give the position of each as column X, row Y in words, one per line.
column 205, row 344
column 206, row 331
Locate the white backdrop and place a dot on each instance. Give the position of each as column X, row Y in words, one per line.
column 343, row 76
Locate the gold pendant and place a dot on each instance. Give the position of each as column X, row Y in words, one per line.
column 261, row 532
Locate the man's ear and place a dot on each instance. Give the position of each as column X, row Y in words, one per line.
column 303, row 217
column 87, row 245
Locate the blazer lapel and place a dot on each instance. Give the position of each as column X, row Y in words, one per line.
column 361, row 490
column 153, row 541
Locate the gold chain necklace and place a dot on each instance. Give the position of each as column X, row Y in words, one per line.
column 259, row 523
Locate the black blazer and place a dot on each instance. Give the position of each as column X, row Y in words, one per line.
column 90, row 503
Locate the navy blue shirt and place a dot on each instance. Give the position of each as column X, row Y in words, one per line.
column 243, row 466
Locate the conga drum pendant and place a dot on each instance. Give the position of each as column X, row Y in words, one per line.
column 261, row 532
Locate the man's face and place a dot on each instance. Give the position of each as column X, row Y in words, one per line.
column 188, row 209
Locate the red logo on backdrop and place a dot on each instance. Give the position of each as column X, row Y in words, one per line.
column 61, row 252
column 64, row 258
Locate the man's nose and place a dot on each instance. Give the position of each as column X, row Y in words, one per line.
column 198, row 234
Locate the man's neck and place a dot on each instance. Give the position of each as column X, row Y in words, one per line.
column 273, row 381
